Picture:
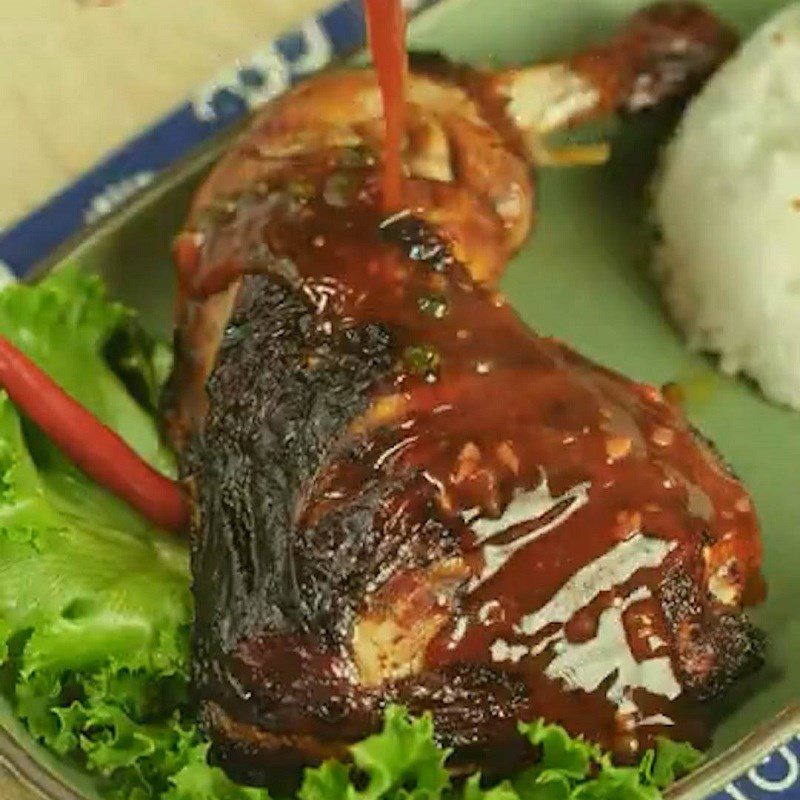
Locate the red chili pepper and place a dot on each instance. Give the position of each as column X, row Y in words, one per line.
column 93, row 447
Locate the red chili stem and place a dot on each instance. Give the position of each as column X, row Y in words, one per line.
column 96, row 449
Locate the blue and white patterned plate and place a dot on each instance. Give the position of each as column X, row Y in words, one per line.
column 777, row 777
column 763, row 766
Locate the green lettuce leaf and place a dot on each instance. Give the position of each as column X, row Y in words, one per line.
column 403, row 755
column 404, row 761
column 95, row 605
column 65, row 324
column 330, row 781
column 669, row 761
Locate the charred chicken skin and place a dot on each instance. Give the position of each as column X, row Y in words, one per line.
column 402, row 494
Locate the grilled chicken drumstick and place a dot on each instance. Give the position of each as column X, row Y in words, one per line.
column 402, row 494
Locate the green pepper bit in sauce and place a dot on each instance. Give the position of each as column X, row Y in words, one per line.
column 434, row 305
column 422, row 359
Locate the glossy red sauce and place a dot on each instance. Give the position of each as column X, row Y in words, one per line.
column 488, row 414
column 386, row 25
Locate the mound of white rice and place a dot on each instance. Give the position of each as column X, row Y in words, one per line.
column 727, row 203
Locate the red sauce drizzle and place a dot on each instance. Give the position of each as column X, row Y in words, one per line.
column 386, row 25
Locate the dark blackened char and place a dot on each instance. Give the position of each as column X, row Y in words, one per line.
column 402, row 494
column 251, row 473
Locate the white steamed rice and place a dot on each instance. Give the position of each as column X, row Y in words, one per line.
column 727, row 203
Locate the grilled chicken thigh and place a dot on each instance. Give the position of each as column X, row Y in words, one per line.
column 402, row 494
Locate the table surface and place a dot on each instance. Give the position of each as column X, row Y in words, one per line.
column 80, row 78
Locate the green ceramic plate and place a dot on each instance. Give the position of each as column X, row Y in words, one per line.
column 582, row 277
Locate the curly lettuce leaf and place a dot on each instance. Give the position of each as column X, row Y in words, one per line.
column 403, row 754
column 404, row 761
column 669, row 761
column 95, row 605
column 330, row 781
column 401, row 761
column 65, row 324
